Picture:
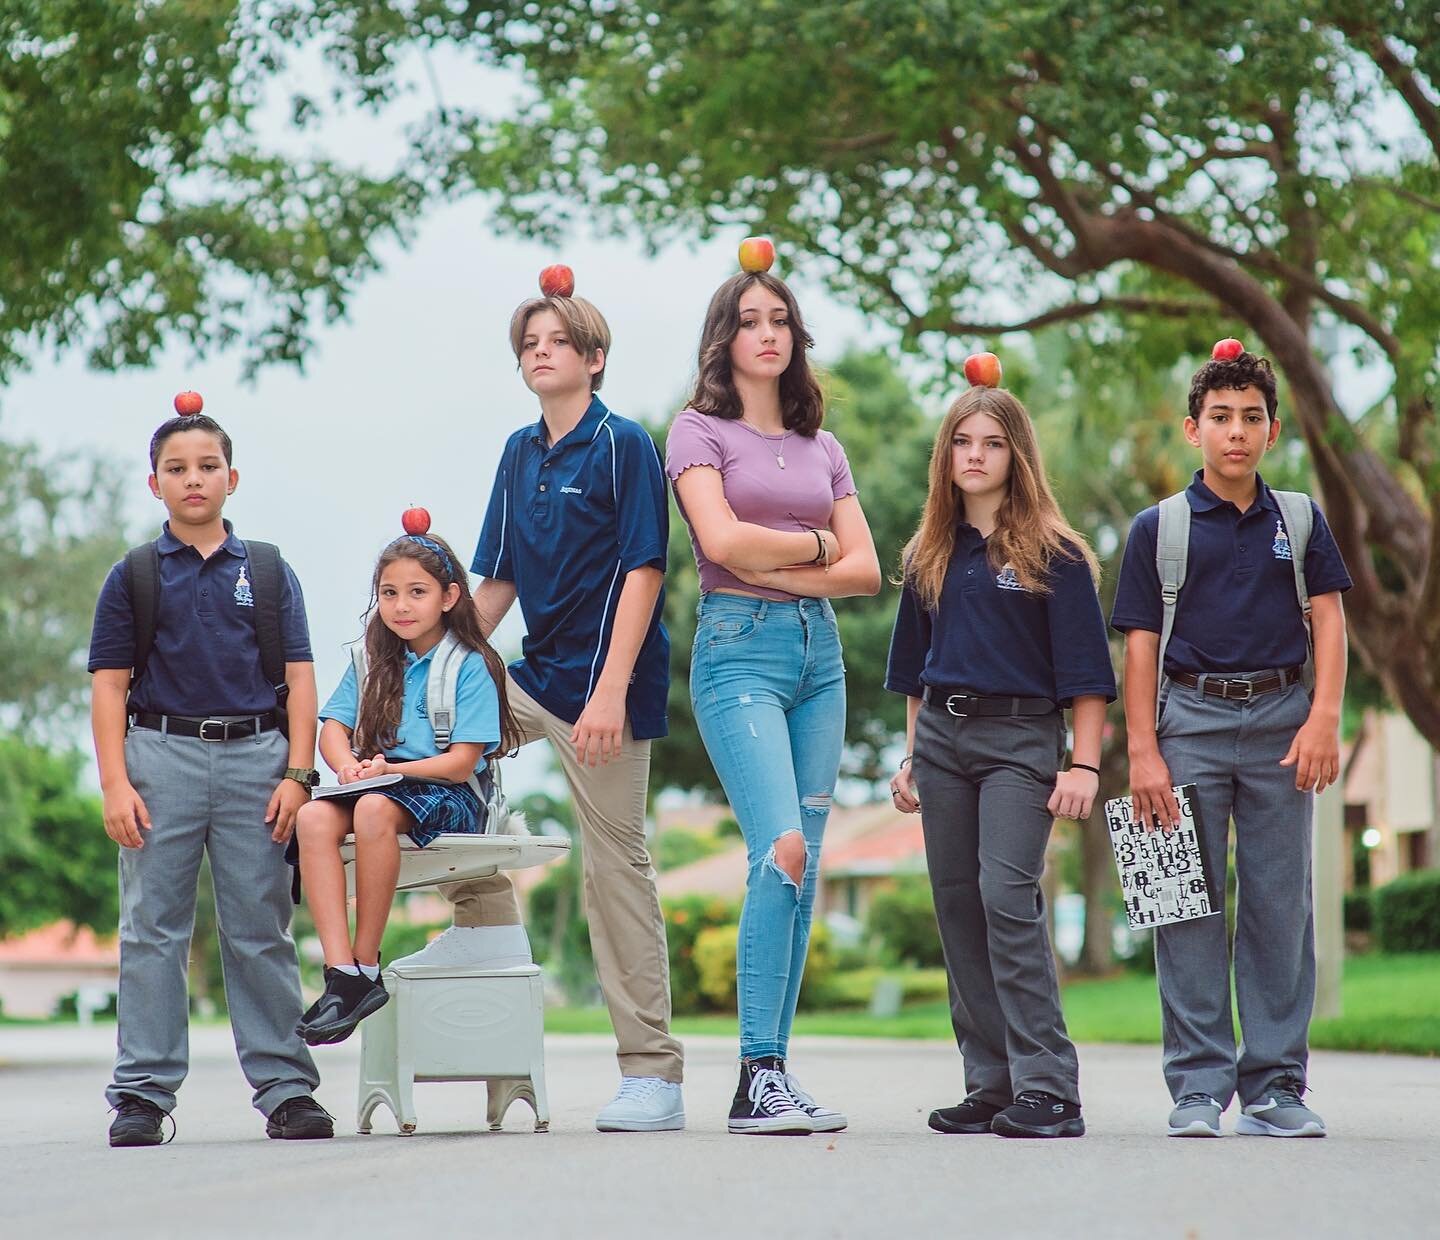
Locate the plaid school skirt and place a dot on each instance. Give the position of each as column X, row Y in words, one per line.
column 438, row 809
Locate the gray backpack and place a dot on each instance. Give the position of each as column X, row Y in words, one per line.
column 1172, row 554
column 441, row 688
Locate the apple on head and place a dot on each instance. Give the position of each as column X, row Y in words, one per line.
column 757, row 254
column 557, row 280
column 983, row 370
column 1226, row 350
column 188, row 404
column 415, row 521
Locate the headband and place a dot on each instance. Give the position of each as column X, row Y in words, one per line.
column 431, row 545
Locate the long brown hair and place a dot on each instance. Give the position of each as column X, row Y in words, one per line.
column 383, row 692
column 1030, row 530
column 802, row 406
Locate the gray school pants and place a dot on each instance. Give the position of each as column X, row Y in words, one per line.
column 1231, row 751
column 983, row 784
column 206, row 796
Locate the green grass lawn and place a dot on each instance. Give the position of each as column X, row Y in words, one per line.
column 1391, row 1003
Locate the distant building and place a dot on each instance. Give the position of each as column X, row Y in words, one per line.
column 39, row 969
column 1389, row 782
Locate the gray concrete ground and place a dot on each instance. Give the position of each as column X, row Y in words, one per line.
column 888, row 1176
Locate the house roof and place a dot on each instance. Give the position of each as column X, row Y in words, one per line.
column 61, row 943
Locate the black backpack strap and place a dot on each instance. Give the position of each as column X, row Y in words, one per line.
column 266, row 569
column 142, row 576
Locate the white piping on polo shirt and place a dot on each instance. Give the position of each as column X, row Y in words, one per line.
column 504, row 516
column 605, row 611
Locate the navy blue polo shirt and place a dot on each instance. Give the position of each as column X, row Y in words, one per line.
column 992, row 637
column 1237, row 610
column 566, row 522
column 206, row 659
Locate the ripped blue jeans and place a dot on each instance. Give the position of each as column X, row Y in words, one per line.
column 767, row 682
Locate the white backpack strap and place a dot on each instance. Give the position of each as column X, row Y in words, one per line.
column 442, row 687
column 1172, row 557
column 362, row 668
column 1296, row 512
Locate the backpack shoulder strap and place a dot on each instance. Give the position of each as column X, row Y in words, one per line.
column 265, row 577
column 442, row 687
column 1172, row 558
column 1299, row 517
column 142, row 575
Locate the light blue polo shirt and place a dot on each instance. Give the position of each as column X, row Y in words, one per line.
column 477, row 709
column 566, row 522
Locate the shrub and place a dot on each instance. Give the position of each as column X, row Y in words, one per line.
column 686, row 917
column 679, row 846
column 1359, row 910
column 903, row 919
column 1407, row 913
column 715, row 952
column 818, row 985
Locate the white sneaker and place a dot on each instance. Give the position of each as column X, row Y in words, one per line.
column 643, row 1104
column 472, row 947
column 824, row 1119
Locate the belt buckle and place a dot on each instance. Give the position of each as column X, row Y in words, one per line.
column 1249, row 686
column 222, row 724
column 958, row 697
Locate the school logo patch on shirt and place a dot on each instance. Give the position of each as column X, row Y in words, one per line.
column 243, row 596
column 571, row 491
column 1281, row 545
column 1007, row 580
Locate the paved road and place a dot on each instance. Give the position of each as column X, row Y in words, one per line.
column 888, row 1176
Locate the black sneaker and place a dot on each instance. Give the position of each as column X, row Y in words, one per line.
column 300, row 1119
column 348, row 999
column 971, row 1116
column 1034, row 1113
column 138, row 1121
column 764, row 1104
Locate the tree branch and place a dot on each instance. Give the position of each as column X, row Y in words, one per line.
column 1403, row 79
column 1164, row 307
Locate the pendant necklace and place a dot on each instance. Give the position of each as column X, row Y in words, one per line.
column 765, row 439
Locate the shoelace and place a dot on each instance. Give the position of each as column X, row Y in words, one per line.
column 769, row 1093
column 637, row 1088
column 1287, row 1091
column 1195, row 1100
column 130, row 1104
column 306, row 1105
column 799, row 1094
column 1033, row 1098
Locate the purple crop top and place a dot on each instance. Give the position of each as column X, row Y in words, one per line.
column 799, row 497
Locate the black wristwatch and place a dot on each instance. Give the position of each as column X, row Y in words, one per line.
column 306, row 775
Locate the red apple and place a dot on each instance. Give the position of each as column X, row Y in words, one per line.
column 983, row 370
column 415, row 521
column 1226, row 350
column 188, row 404
column 557, row 280
column 757, row 254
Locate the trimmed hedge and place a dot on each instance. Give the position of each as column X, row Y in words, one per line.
column 1360, row 910
column 1407, row 913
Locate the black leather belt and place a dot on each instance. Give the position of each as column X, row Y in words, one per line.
column 1238, row 689
column 207, row 729
column 958, row 702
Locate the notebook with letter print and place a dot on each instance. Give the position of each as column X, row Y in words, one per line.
column 1162, row 877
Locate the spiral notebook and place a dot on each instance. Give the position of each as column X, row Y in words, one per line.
column 358, row 788
column 1162, row 876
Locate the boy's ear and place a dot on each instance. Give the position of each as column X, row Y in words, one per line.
column 596, row 363
column 233, row 482
column 1192, row 431
column 1274, row 433
column 154, row 486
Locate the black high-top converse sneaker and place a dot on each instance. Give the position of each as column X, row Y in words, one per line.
column 763, row 1101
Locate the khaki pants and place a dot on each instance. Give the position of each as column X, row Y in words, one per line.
column 627, row 932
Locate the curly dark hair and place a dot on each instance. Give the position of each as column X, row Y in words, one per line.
column 197, row 422
column 1247, row 370
column 381, row 697
column 802, row 406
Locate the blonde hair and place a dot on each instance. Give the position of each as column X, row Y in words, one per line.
column 1030, row 530
column 585, row 325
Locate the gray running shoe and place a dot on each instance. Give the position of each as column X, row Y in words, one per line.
column 1278, row 1112
column 1195, row 1115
